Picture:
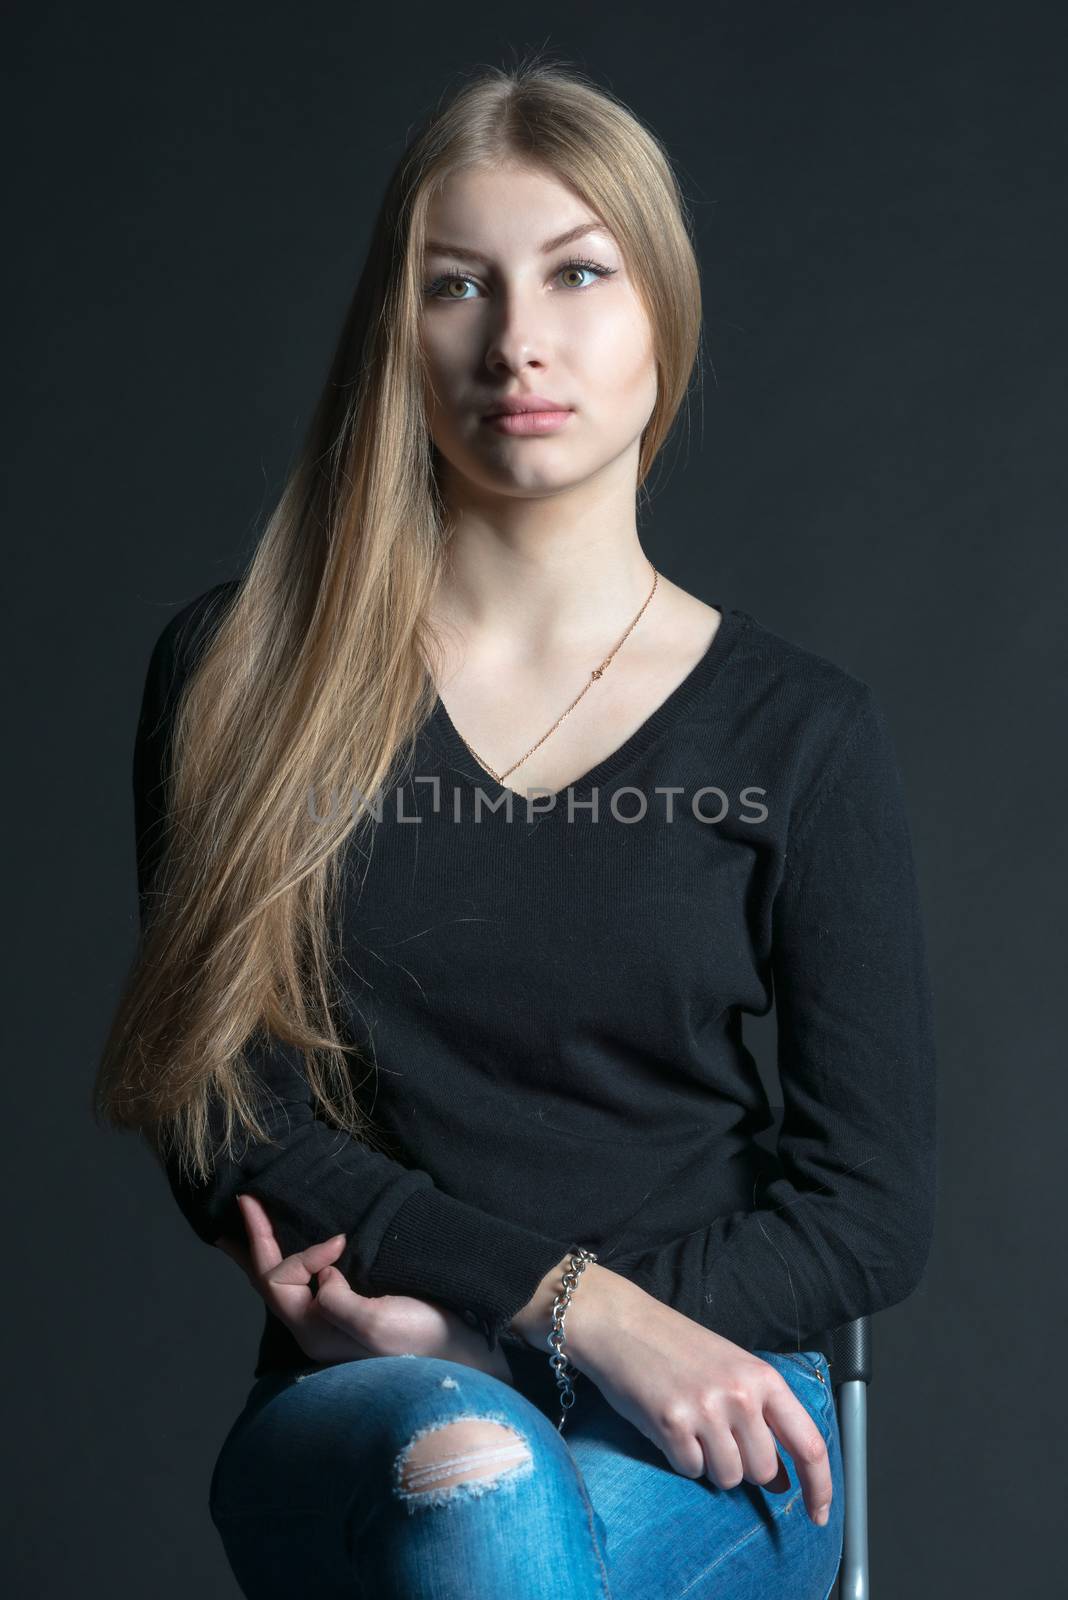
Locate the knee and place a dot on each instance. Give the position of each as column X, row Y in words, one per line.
column 450, row 1460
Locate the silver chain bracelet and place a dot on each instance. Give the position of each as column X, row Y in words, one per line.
column 555, row 1340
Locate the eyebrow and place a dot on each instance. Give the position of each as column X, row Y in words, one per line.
column 442, row 248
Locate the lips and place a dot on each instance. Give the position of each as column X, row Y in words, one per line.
column 528, row 424
column 526, row 402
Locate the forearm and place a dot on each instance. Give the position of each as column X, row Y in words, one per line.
column 825, row 1274
column 599, row 1296
column 800, row 1263
column 403, row 1234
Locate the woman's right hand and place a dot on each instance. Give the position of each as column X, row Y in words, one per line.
column 335, row 1323
column 712, row 1407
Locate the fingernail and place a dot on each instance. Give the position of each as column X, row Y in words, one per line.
column 822, row 1513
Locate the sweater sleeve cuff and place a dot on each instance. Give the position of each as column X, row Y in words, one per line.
column 485, row 1268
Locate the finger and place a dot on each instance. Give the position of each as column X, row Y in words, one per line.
column 266, row 1252
column 284, row 1282
column 302, row 1264
column 798, row 1434
column 339, row 1303
column 331, row 1248
column 722, row 1458
column 264, row 1248
column 761, row 1461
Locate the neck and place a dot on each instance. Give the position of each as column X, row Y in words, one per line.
column 520, row 600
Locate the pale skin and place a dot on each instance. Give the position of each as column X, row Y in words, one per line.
column 545, row 573
column 545, row 568
column 711, row 1407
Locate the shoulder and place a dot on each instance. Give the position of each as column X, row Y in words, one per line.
column 174, row 653
column 184, row 634
column 821, row 724
column 792, row 675
column 801, row 671
column 815, row 702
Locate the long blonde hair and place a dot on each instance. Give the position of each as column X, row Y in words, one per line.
column 315, row 680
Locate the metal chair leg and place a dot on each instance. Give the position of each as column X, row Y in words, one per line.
column 850, row 1356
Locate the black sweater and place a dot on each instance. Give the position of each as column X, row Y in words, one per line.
column 554, row 1001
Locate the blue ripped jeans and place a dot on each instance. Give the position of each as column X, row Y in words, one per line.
column 322, row 1488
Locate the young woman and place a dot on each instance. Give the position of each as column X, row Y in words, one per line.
column 458, row 1075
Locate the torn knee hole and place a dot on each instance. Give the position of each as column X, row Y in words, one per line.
column 460, row 1452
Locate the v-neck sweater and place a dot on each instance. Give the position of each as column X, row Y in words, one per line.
column 550, row 999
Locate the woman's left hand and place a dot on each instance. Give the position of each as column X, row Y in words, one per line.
column 335, row 1323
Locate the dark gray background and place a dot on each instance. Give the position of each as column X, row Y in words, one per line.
column 876, row 468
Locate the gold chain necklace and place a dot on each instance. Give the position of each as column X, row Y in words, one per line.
column 594, row 675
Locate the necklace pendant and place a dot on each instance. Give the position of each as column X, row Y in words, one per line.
column 499, row 777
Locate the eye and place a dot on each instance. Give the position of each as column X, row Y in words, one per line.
column 453, row 275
